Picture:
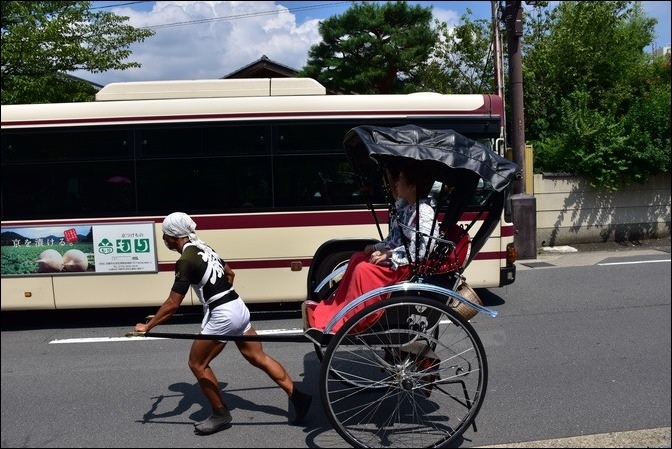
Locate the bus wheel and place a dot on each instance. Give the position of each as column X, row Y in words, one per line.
column 329, row 264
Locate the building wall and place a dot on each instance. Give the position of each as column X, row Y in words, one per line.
column 569, row 211
column 661, row 51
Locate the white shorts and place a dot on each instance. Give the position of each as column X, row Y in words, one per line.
column 231, row 318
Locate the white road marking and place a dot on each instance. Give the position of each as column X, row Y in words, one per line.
column 101, row 340
column 117, row 339
column 628, row 263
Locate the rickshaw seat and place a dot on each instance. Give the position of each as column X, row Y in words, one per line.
column 307, row 314
column 450, row 252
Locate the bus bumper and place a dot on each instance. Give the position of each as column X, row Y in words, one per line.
column 507, row 275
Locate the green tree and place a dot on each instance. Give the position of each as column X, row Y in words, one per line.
column 42, row 41
column 462, row 61
column 596, row 103
column 373, row 48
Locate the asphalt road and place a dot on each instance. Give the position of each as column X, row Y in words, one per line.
column 579, row 356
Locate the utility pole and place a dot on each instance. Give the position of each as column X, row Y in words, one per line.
column 514, row 32
column 524, row 206
column 499, row 71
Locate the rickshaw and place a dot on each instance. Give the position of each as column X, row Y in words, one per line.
column 407, row 369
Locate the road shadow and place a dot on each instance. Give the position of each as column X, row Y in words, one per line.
column 489, row 297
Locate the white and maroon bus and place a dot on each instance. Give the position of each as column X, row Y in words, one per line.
column 258, row 164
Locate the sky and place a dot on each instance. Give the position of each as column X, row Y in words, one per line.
column 211, row 39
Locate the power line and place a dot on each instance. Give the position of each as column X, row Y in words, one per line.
column 244, row 16
column 233, row 17
column 120, row 4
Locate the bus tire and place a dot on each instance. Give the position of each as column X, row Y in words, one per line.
column 329, row 264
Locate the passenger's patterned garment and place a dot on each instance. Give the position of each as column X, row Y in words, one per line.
column 408, row 216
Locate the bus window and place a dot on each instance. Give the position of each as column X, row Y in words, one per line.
column 314, row 180
column 202, row 185
column 310, row 167
column 228, row 165
column 190, row 141
column 318, row 138
column 249, row 182
column 69, row 189
column 60, row 146
column 235, row 140
column 65, row 174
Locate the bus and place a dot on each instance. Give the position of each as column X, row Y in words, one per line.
column 258, row 164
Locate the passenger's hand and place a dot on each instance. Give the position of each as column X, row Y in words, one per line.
column 141, row 327
column 378, row 258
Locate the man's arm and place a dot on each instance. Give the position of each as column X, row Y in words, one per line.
column 167, row 309
column 229, row 273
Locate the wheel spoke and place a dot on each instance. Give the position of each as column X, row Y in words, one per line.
column 414, row 378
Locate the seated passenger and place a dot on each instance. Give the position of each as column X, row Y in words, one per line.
column 384, row 266
column 393, row 239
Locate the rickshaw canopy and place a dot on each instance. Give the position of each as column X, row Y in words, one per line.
column 442, row 151
column 445, row 155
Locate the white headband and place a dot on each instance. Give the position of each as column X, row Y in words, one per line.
column 178, row 224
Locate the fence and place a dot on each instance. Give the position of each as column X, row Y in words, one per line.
column 570, row 211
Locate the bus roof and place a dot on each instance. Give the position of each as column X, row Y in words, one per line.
column 212, row 88
column 153, row 102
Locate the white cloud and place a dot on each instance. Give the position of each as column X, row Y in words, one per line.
column 451, row 17
column 210, row 39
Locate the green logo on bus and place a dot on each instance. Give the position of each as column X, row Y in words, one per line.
column 105, row 247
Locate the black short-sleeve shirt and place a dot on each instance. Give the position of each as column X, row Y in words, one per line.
column 203, row 269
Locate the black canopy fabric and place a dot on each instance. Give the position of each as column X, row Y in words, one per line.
column 441, row 151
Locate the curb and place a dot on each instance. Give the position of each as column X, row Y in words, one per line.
column 557, row 250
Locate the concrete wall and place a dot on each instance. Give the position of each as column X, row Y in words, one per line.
column 569, row 211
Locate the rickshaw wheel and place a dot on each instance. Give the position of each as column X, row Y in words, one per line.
column 415, row 378
column 319, row 350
